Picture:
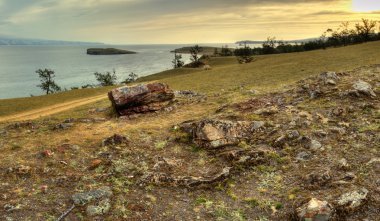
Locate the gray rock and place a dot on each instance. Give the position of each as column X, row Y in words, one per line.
column 258, row 125
column 304, row 156
column 81, row 199
column 267, row 111
column 63, row 126
column 211, row 133
column 101, row 208
column 353, row 200
column 292, row 134
column 116, row 139
column 315, row 145
column 362, row 87
column 315, row 210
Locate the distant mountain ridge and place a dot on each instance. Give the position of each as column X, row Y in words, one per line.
column 29, row 41
column 290, row 41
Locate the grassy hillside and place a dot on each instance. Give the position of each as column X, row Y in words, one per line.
column 267, row 72
column 243, row 157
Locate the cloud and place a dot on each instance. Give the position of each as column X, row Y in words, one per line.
column 171, row 21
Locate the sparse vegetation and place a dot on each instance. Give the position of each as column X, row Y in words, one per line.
column 106, row 79
column 47, row 81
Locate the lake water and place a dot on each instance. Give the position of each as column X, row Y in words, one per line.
column 73, row 67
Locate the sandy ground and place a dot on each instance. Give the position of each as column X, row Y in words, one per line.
column 46, row 111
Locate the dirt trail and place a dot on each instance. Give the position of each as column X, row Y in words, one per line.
column 46, row 111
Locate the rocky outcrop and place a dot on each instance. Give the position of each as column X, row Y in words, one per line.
column 108, row 51
column 142, row 98
column 211, row 133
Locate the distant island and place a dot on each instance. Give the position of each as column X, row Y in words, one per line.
column 5, row 40
column 260, row 42
column 108, row 51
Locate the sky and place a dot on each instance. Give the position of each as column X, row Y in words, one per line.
column 178, row 21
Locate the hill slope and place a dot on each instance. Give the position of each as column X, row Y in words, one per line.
column 266, row 73
column 229, row 154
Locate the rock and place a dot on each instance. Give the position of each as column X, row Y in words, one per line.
column 304, row 156
column 267, row 111
column 116, row 139
column 315, row 210
column 23, row 170
column 315, row 145
column 142, row 98
column 292, row 134
column 108, row 51
column 362, row 87
column 352, row 200
column 258, row 125
column 47, row 153
column 101, row 208
column 81, row 199
column 101, row 110
column 318, row 179
column 95, row 163
column 210, row 133
column 44, row 188
column 63, row 126
column 186, row 93
column 343, row 164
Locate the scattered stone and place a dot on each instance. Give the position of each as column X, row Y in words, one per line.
column 185, row 181
column 315, row 210
column 318, row 179
column 116, row 139
column 315, row 145
column 47, row 153
column 101, row 208
column 23, row 170
column 267, row 111
column 101, row 109
column 352, row 200
column 95, row 163
column 44, row 188
column 81, row 199
column 142, row 98
column 258, row 125
column 343, row 164
column 304, row 156
column 63, row 126
column 362, row 87
column 337, row 130
column 210, row 133
column 373, row 160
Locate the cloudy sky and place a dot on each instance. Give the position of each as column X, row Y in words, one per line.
column 178, row 21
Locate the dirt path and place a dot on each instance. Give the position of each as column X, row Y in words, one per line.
column 46, row 111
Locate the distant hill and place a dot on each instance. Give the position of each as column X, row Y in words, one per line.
column 27, row 41
column 290, row 41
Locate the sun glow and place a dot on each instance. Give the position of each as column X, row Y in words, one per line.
column 365, row 5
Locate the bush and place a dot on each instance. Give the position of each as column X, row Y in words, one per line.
column 107, row 79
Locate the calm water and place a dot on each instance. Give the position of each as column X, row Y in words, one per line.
column 73, row 67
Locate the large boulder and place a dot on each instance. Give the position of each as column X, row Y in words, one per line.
column 142, row 98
